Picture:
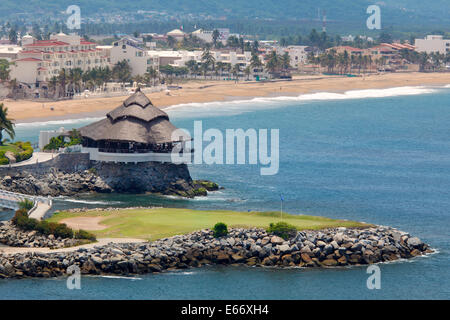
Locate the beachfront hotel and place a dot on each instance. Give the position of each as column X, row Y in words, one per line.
column 40, row 60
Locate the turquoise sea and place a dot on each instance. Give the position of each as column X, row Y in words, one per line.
column 379, row 156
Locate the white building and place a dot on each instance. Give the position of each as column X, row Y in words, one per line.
column 298, row 54
column 9, row 52
column 177, row 34
column 433, row 43
column 137, row 57
column 40, row 60
column 207, row 35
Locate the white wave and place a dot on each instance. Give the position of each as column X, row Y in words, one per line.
column 118, row 277
column 240, row 106
column 57, row 122
column 88, row 201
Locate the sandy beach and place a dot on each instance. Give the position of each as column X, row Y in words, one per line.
column 207, row 91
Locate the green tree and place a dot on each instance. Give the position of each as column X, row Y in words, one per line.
column 272, row 62
column 215, row 37
column 6, row 124
column 4, row 69
column 122, row 71
column 208, row 61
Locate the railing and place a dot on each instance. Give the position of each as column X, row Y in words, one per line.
column 96, row 155
column 11, row 200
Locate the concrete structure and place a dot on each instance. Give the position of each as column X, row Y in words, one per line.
column 207, row 35
column 45, row 136
column 137, row 57
column 204, row 35
column 177, row 34
column 11, row 200
column 9, row 52
column 433, row 43
column 40, row 60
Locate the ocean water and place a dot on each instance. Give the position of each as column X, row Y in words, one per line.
column 379, row 156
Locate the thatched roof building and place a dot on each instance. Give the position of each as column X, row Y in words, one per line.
column 135, row 125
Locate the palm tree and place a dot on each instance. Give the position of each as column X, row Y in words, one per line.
column 62, row 79
column 215, row 36
column 5, row 123
column 285, row 62
column 151, row 74
column 272, row 62
column 423, row 61
column 220, row 66
column 4, row 70
column 236, row 70
column 192, row 66
column 122, row 71
column 247, row 72
column 52, row 84
column 207, row 61
column 13, row 86
column 255, row 63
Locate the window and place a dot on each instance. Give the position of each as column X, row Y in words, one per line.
column 124, row 46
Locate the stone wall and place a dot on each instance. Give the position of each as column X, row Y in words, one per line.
column 73, row 173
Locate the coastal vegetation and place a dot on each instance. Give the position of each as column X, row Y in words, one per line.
column 220, row 229
column 60, row 141
column 282, row 229
column 22, row 221
column 6, row 124
column 159, row 223
column 26, row 204
column 17, row 151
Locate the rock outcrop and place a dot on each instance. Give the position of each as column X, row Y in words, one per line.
column 12, row 236
column 58, row 177
column 251, row 247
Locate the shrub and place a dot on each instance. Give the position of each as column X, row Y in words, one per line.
column 22, row 221
column 19, row 213
column 200, row 192
column 63, row 231
column 59, row 141
column 26, row 204
column 26, row 153
column 220, row 230
column 3, row 160
column 82, row 234
column 283, row 230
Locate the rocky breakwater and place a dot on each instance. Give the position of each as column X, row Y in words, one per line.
column 252, row 247
column 14, row 237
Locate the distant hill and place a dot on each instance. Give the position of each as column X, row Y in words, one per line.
column 401, row 13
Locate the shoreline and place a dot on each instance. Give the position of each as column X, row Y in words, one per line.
column 220, row 91
column 253, row 247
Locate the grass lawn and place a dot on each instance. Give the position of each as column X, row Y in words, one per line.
column 159, row 223
column 10, row 147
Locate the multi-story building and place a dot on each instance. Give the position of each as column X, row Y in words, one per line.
column 132, row 51
column 433, row 43
column 41, row 60
column 207, row 35
column 9, row 52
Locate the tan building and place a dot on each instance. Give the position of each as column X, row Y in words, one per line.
column 40, row 60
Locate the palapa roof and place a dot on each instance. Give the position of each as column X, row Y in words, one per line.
column 136, row 120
